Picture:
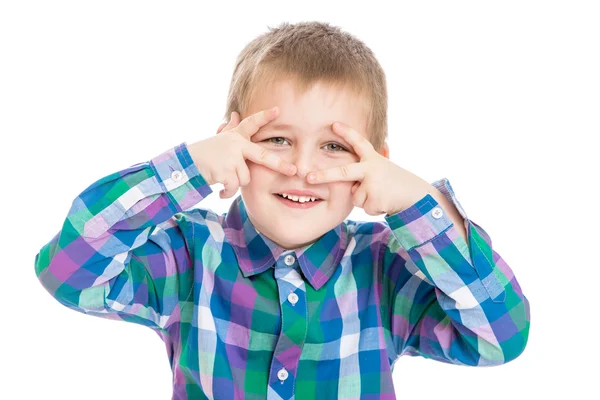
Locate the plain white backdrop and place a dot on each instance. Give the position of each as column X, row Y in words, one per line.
column 501, row 98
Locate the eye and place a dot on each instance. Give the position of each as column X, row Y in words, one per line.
column 337, row 146
column 276, row 144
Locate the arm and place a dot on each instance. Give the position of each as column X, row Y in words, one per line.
column 123, row 251
column 445, row 298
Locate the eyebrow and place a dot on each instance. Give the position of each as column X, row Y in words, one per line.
column 281, row 126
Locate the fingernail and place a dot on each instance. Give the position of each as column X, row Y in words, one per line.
column 311, row 177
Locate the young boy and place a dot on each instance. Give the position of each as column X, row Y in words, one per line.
column 282, row 297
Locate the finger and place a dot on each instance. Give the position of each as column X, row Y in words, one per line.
column 260, row 155
column 235, row 119
column 359, row 143
column 348, row 172
column 243, row 174
column 359, row 197
column 371, row 207
column 251, row 124
column 356, row 185
column 231, row 186
column 225, row 126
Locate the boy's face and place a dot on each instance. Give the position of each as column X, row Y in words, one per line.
column 311, row 145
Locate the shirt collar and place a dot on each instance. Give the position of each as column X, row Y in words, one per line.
column 256, row 252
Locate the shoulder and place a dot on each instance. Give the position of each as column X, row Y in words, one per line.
column 200, row 216
column 201, row 222
column 373, row 234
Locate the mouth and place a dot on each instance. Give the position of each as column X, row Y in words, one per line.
column 308, row 203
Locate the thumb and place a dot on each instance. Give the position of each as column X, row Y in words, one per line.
column 223, row 125
column 229, row 124
column 235, row 119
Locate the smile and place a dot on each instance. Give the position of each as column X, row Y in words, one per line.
column 297, row 204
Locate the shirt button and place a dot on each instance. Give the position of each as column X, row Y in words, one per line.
column 282, row 374
column 176, row 175
column 437, row 213
column 289, row 259
column 293, row 298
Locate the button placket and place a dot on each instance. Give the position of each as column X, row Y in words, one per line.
column 282, row 374
column 289, row 260
column 293, row 324
column 293, row 298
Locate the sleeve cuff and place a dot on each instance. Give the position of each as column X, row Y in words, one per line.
column 179, row 177
column 425, row 219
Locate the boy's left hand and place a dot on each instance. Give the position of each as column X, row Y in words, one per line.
column 381, row 186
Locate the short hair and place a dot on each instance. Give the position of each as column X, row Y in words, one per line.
column 309, row 53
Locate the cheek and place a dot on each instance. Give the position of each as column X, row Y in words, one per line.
column 256, row 169
column 341, row 189
column 259, row 173
column 341, row 185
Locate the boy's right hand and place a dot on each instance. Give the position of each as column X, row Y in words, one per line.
column 222, row 158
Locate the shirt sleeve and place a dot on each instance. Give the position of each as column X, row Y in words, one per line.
column 446, row 299
column 124, row 249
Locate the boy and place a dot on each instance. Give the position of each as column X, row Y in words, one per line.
column 281, row 297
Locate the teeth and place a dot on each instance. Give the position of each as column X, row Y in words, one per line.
column 299, row 199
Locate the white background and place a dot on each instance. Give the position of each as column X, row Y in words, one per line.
column 502, row 98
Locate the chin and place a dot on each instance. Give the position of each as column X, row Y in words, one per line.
column 295, row 242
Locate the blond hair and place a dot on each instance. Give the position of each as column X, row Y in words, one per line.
column 308, row 53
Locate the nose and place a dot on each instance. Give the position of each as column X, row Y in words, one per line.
column 305, row 162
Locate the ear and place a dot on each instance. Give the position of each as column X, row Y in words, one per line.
column 385, row 150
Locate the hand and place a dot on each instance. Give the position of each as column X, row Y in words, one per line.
column 381, row 186
column 222, row 158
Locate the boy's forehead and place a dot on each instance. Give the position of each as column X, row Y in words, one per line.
column 290, row 90
column 311, row 112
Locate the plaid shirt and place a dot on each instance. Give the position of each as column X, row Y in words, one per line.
column 243, row 318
